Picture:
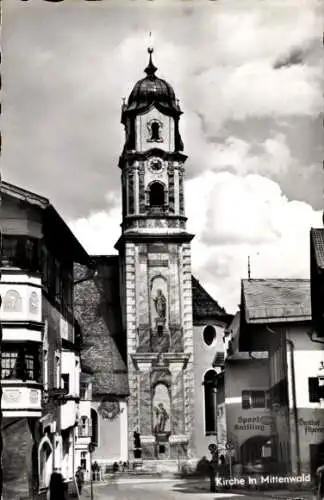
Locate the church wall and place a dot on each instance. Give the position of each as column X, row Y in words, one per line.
column 112, row 445
column 132, row 338
column 167, row 131
column 189, row 388
column 204, row 357
column 149, row 268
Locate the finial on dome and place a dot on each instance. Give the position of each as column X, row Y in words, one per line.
column 150, row 69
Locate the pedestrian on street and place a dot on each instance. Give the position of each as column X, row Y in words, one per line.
column 57, row 486
column 79, row 476
column 320, row 482
column 222, row 466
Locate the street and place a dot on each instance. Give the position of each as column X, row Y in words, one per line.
column 151, row 489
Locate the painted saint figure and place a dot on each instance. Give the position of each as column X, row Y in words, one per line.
column 162, row 417
column 160, row 304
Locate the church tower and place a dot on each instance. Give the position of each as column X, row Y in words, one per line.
column 156, row 286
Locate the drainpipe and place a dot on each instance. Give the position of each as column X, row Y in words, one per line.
column 294, row 397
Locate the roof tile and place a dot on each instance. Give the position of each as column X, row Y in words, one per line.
column 204, row 306
column 98, row 311
column 276, row 300
column 317, row 238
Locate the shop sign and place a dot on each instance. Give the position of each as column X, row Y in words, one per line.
column 256, row 423
column 311, row 426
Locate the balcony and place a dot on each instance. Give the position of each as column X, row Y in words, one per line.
column 20, row 380
column 21, row 399
column 21, row 297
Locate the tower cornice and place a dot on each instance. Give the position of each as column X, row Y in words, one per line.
column 135, row 237
column 129, row 157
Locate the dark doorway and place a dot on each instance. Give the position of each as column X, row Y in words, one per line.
column 94, row 427
column 210, row 394
column 316, row 452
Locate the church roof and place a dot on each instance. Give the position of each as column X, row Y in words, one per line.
column 152, row 90
column 276, row 300
column 317, row 239
column 204, row 306
column 98, row 311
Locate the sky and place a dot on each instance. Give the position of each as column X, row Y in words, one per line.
column 249, row 76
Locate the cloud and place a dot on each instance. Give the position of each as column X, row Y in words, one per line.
column 232, row 217
column 247, row 216
column 71, row 81
column 271, row 157
column 63, row 135
column 99, row 232
column 296, row 56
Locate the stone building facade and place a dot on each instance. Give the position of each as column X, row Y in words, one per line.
column 155, row 257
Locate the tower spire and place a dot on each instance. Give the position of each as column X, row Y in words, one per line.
column 150, row 69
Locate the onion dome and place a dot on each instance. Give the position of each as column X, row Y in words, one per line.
column 152, row 90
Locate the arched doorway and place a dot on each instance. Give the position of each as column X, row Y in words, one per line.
column 251, row 449
column 210, row 397
column 45, row 461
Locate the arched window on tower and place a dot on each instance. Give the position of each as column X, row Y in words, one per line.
column 155, row 131
column 154, row 128
column 210, row 397
column 156, row 195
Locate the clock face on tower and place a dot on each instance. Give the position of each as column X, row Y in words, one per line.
column 155, row 165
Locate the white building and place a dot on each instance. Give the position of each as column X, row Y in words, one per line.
column 40, row 357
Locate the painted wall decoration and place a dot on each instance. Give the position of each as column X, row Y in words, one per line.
column 161, row 409
column 311, row 426
column 12, row 301
column 11, row 395
column 33, row 396
column 33, row 303
column 109, row 410
column 221, row 425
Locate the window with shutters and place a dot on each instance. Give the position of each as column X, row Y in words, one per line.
column 254, row 399
column 65, row 378
column 313, row 390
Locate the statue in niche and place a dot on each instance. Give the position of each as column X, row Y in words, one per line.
column 161, row 418
column 160, row 305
